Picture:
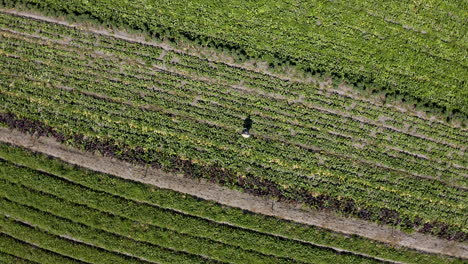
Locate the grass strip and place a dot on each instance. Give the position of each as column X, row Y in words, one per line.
column 125, row 249
column 9, row 258
column 53, row 249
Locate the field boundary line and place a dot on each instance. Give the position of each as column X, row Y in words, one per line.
column 223, row 195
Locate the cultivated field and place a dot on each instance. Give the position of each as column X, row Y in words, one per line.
column 65, row 212
column 313, row 144
column 414, row 49
column 184, row 113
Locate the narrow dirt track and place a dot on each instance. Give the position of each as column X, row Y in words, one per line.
column 210, row 191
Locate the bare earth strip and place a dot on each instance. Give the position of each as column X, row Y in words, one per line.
column 222, row 195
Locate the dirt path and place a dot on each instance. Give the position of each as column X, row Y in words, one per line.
column 209, row 191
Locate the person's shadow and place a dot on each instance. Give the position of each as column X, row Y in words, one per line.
column 247, row 124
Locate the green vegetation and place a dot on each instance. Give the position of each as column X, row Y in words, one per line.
column 183, row 114
column 98, row 238
column 119, row 216
column 13, row 249
column 420, row 55
column 175, row 108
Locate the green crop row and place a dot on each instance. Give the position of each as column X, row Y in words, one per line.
column 120, row 248
column 151, row 54
column 110, row 222
column 90, row 193
column 17, row 251
column 144, row 223
column 70, row 251
column 364, row 48
column 426, row 166
column 421, row 141
column 433, row 131
column 121, row 131
column 7, row 259
column 411, row 163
